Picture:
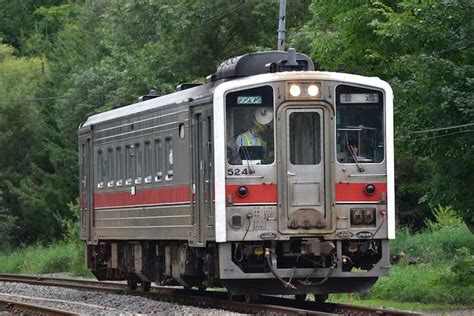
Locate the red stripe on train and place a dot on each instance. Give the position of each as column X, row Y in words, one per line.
column 354, row 192
column 164, row 195
column 257, row 193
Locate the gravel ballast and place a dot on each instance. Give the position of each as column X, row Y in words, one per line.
column 88, row 302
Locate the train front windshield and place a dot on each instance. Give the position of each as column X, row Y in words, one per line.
column 359, row 123
column 250, row 126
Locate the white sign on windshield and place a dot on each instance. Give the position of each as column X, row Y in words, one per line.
column 359, row 98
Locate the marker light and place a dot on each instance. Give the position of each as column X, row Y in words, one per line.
column 295, row 90
column 369, row 189
column 242, row 191
column 313, row 90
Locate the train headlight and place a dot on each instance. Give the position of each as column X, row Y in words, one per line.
column 303, row 90
column 295, row 90
column 313, row 90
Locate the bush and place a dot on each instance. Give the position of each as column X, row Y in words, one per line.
column 7, row 228
column 463, row 268
column 444, row 217
column 438, row 266
column 433, row 247
column 64, row 257
column 423, row 284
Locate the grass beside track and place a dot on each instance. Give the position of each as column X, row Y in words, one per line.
column 405, row 306
column 63, row 257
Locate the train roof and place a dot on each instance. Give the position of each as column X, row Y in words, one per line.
column 178, row 97
column 246, row 69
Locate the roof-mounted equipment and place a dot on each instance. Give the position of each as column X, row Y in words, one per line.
column 151, row 95
column 262, row 62
column 185, row 86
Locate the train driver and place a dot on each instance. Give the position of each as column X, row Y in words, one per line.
column 254, row 137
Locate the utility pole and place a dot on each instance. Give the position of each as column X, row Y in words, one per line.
column 281, row 25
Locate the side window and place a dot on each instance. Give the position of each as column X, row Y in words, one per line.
column 181, row 130
column 147, row 162
column 138, row 161
column 169, row 158
column 110, row 168
column 119, row 166
column 128, row 164
column 100, row 169
column 158, row 160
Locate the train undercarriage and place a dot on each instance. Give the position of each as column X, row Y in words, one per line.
column 295, row 267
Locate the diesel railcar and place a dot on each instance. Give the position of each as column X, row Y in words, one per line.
column 269, row 178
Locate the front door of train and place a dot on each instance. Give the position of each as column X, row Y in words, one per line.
column 302, row 169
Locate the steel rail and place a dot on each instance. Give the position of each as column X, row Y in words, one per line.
column 211, row 299
column 64, row 282
column 12, row 306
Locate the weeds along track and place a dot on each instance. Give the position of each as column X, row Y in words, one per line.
column 210, row 299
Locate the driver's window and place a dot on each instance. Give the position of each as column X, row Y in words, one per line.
column 250, row 126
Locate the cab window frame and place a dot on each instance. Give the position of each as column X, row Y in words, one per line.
column 246, row 91
column 346, row 88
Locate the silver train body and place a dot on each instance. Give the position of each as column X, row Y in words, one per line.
column 168, row 195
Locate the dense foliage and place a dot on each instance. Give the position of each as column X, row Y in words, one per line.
column 437, row 266
column 62, row 60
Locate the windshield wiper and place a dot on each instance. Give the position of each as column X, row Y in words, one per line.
column 354, row 156
column 247, row 156
column 359, row 167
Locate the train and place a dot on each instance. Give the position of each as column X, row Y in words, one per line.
column 269, row 178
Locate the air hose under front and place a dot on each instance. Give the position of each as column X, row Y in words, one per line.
column 268, row 258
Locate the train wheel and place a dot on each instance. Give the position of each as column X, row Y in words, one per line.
column 132, row 285
column 320, row 298
column 300, row 297
column 145, row 286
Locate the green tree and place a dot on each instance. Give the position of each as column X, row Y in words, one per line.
column 424, row 49
column 29, row 183
column 17, row 19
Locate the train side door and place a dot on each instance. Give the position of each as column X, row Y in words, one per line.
column 86, row 188
column 201, row 144
column 301, row 133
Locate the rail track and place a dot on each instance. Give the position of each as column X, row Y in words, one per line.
column 11, row 305
column 210, row 299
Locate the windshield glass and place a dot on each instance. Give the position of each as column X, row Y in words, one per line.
column 359, row 124
column 250, row 126
column 305, row 142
